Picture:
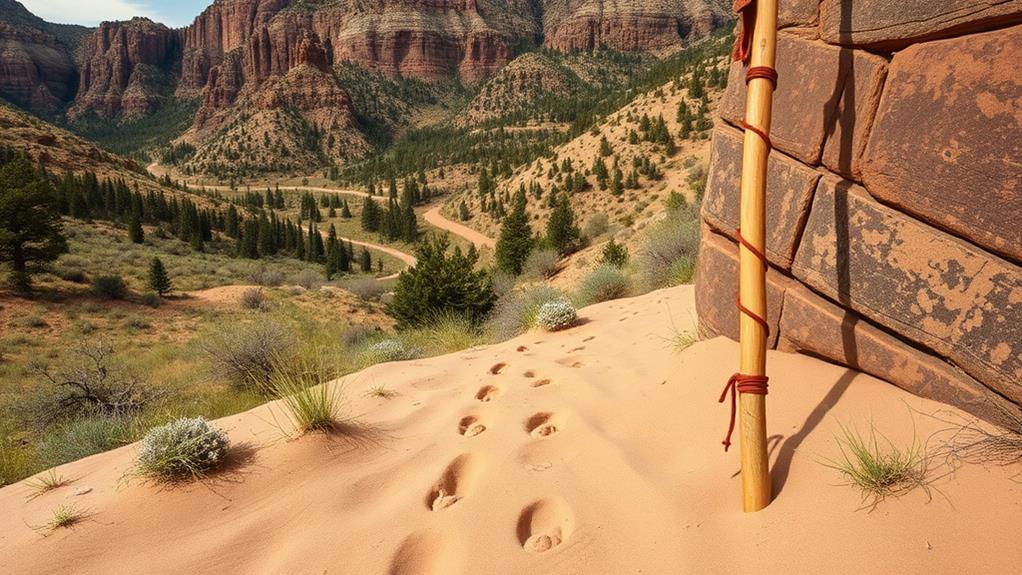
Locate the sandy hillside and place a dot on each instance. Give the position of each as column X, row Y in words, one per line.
column 595, row 450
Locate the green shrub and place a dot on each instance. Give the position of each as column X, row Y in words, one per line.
column 181, row 449
column 445, row 333
column 879, row 469
column 20, row 282
column 151, row 299
column 70, row 274
column 109, row 287
column 82, row 436
column 556, row 315
column 253, row 299
column 542, row 264
column 515, row 313
column 669, row 253
column 604, row 283
column 596, row 226
column 614, row 254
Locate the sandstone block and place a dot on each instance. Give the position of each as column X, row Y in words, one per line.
column 813, row 84
column 813, row 325
column 797, row 13
column 789, row 193
column 932, row 288
column 947, row 142
column 891, row 25
column 717, row 288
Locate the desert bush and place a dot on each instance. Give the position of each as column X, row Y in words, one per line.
column 503, row 283
column 308, row 279
column 614, row 254
column 367, row 289
column 604, row 283
column 70, row 274
column 185, row 448
column 109, row 287
column 253, row 298
column 386, row 350
column 354, row 335
column 544, row 263
column 515, row 313
column 556, row 315
column 266, row 277
column 151, row 299
column 596, row 226
column 669, row 253
column 244, row 353
column 89, row 381
column 138, row 323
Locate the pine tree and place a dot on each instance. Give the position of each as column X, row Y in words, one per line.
column 515, row 241
column 159, row 281
column 345, row 210
column 370, row 216
column 135, row 232
column 365, row 260
column 561, row 232
column 463, row 211
column 333, row 250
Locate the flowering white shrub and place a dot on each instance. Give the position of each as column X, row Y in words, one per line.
column 388, row 350
column 556, row 315
column 186, row 447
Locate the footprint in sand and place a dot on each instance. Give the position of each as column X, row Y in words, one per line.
column 488, row 393
column 471, row 426
column 544, row 424
column 425, row 553
column 579, row 348
column 530, row 374
column 544, row 525
column 567, row 361
column 497, row 368
column 522, row 348
column 455, row 482
column 541, row 382
column 590, row 338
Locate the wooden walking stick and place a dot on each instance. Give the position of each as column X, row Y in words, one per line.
column 756, row 44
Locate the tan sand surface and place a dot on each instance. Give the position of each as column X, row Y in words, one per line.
column 591, row 451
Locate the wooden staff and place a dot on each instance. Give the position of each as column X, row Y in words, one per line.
column 752, row 281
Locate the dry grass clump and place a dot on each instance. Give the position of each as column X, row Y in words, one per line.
column 66, row 515
column 878, row 466
column 515, row 313
column 668, row 256
column 45, row 482
column 974, row 442
column 310, row 402
column 253, row 299
column 244, row 353
column 604, row 283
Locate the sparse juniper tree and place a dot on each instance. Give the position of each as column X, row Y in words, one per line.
column 30, row 228
column 441, row 283
column 333, row 248
column 370, row 216
column 561, row 232
column 135, row 232
column 614, row 254
column 159, row 281
column 605, row 147
column 463, row 212
column 345, row 210
column 515, row 241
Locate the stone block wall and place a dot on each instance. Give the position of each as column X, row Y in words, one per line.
column 894, row 196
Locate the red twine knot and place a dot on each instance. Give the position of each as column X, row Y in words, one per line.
column 740, row 383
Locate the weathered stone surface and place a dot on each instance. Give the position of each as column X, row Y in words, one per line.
column 931, row 288
column 797, row 13
column 717, row 288
column 789, row 193
column 947, row 142
column 812, row 85
column 891, row 25
column 37, row 69
column 848, row 132
column 813, row 325
column 124, row 68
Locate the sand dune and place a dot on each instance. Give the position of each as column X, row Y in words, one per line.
column 595, row 450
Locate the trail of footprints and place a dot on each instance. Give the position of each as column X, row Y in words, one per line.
column 542, row 526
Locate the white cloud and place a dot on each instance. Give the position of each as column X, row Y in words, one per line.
column 89, row 12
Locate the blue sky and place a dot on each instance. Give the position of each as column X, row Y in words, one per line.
column 174, row 13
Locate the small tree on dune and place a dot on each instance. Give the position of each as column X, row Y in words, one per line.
column 561, row 232
column 135, row 232
column 515, row 240
column 159, row 281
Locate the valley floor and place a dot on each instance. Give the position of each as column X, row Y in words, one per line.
column 593, row 450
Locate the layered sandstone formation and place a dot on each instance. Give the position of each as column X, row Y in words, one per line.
column 124, row 69
column 37, row 70
column 637, row 26
column 894, row 204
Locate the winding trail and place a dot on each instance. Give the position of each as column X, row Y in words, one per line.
column 434, row 217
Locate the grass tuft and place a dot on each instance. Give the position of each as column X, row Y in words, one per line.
column 66, row 515
column 877, row 466
column 45, row 482
column 310, row 401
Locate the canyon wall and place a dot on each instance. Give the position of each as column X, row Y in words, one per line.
column 37, row 68
column 894, row 197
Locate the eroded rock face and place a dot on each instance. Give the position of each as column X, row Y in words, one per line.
column 124, row 69
column 963, row 172
column 640, row 25
column 37, row 70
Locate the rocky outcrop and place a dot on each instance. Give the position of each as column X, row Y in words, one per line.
column 903, row 260
column 37, row 70
column 125, row 69
column 639, row 26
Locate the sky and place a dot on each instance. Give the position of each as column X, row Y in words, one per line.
column 173, row 13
